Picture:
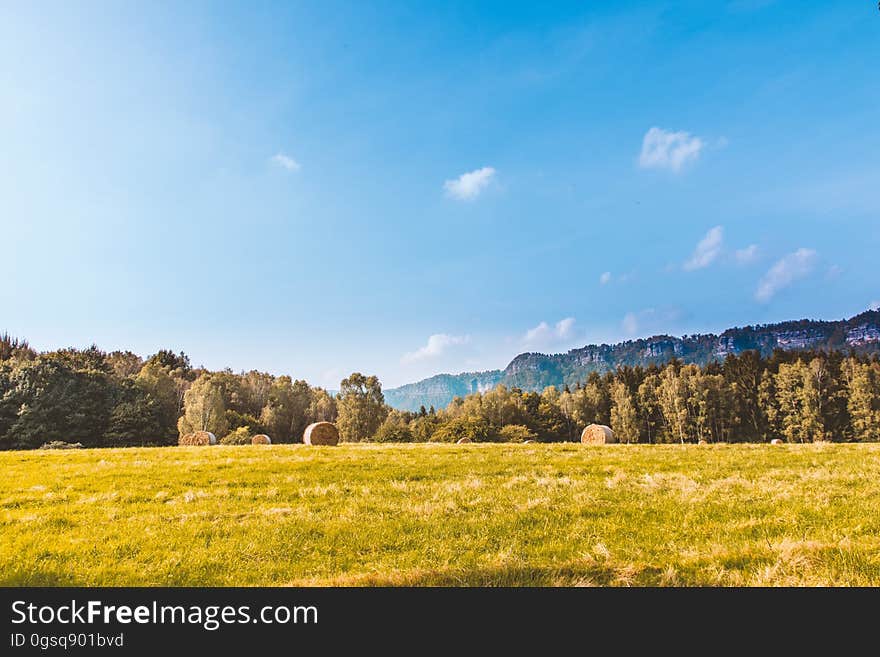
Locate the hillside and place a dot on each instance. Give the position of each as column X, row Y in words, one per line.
column 534, row 371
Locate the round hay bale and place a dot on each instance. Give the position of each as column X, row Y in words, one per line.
column 261, row 439
column 776, row 441
column 198, row 438
column 321, row 433
column 463, row 441
column 702, row 442
column 597, row 434
column 529, row 442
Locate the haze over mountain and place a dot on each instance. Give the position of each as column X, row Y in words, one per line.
column 535, row 371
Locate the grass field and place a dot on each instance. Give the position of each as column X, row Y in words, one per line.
column 442, row 515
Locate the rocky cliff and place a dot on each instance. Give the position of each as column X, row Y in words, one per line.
column 532, row 371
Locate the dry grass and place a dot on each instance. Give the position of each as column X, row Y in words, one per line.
column 479, row 514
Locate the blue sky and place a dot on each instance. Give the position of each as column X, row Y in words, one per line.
column 416, row 187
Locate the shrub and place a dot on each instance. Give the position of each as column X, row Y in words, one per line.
column 236, row 420
column 423, row 428
column 515, row 433
column 394, row 430
column 240, row 436
column 477, row 429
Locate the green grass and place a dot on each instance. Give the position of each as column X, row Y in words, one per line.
column 442, row 515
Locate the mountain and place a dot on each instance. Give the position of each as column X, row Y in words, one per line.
column 533, row 371
column 439, row 390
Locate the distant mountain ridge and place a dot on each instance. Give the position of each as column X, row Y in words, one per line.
column 534, row 371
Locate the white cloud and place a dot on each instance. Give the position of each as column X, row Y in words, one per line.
column 630, row 324
column 331, row 378
column 834, row 271
column 285, row 162
column 785, row 272
column 605, row 278
column 468, row 186
column 545, row 335
column 662, row 149
column 650, row 320
column 746, row 255
column 874, row 305
column 564, row 328
column 707, row 250
column 540, row 330
column 436, row 346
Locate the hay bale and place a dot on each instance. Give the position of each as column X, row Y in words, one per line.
column 321, row 433
column 597, row 434
column 463, row 441
column 60, row 444
column 776, row 441
column 702, row 442
column 261, row 439
column 529, row 442
column 198, row 438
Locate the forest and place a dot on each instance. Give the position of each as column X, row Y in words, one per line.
column 99, row 399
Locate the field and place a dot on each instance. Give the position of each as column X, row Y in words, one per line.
column 442, row 515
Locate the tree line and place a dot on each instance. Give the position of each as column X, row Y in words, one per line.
column 118, row 399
